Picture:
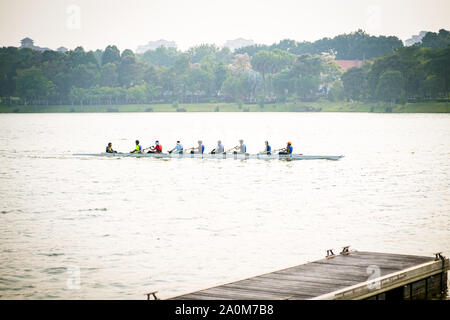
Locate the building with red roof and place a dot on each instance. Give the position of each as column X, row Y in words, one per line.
column 347, row 64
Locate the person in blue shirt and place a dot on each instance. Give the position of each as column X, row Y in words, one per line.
column 267, row 149
column 109, row 148
column 288, row 149
column 178, row 147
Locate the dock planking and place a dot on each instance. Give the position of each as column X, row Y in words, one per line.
column 343, row 276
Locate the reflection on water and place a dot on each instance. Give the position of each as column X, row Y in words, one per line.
column 135, row 225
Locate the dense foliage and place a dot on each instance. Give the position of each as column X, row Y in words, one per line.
column 410, row 73
column 206, row 73
column 354, row 46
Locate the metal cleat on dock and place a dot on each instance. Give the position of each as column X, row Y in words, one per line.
column 345, row 250
column 439, row 256
column 152, row 294
column 330, row 254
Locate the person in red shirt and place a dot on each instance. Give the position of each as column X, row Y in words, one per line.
column 156, row 149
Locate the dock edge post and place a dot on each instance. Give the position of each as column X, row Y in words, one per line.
column 152, row 294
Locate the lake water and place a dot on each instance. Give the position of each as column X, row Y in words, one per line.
column 73, row 227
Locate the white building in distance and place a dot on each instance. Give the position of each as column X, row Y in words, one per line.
column 238, row 43
column 152, row 45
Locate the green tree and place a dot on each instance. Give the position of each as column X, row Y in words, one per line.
column 336, row 92
column 9, row 61
column 83, row 76
column 306, row 75
column 79, row 56
column 126, row 53
column 77, row 95
column 162, row 56
column 438, row 64
column 108, row 77
column 33, row 86
column 137, row 94
column 111, row 55
column 197, row 53
column 440, row 40
column 152, row 91
column 220, row 75
column 236, row 87
column 390, row 87
column 354, row 83
column 224, row 55
column 181, row 64
column 431, row 87
column 283, row 84
column 263, row 62
column 128, row 71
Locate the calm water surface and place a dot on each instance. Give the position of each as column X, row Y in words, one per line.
column 137, row 225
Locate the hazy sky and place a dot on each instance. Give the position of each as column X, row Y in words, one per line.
column 129, row 23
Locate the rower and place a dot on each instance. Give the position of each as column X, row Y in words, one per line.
column 200, row 148
column 267, row 149
column 288, row 149
column 178, row 147
column 156, row 149
column 109, row 148
column 138, row 148
column 242, row 147
column 219, row 149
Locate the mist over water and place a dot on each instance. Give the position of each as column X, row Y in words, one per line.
column 125, row 227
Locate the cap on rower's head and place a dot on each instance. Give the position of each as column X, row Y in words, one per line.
column 178, row 141
column 200, row 141
column 219, row 141
column 137, row 141
column 241, row 140
column 156, row 142
column 289, row 142
column 267, row 142
column 109, row 143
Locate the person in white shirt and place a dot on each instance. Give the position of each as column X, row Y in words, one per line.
column 242, row 147
column 219, row 148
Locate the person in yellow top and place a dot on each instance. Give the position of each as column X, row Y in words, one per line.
column 138, row 148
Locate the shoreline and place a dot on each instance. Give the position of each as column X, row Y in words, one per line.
column 316, row 106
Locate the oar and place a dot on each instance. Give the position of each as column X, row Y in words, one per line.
column 271, row 151
column 186, row 150
column 231, row 149
column 174, row 150
column 147, row 148
column 213, row 151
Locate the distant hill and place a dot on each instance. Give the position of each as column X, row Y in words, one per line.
column 238, row 43
column 152, row 45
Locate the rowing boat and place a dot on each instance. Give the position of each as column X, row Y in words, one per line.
column 209, row 156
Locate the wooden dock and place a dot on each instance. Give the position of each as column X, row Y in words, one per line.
column 350, row 275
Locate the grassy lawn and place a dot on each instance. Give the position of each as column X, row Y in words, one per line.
column 321, row 105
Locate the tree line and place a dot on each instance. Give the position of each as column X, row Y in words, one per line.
column 206, row 73
column 408, row 74
column 353, row 46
